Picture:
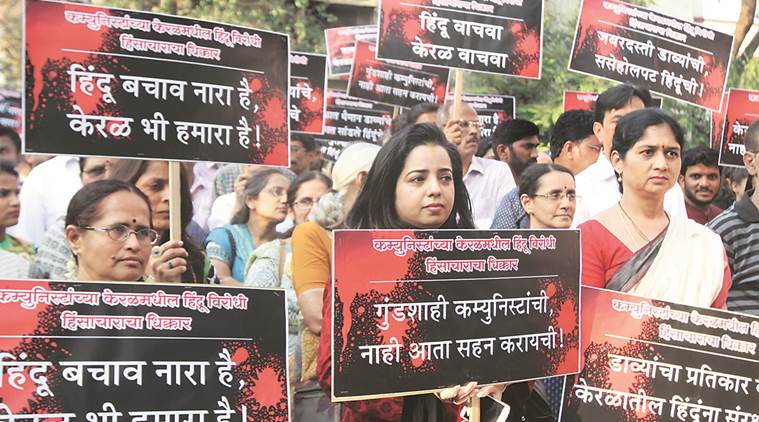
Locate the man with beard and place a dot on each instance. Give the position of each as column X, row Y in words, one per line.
column 487, row 181
column 700, row 180
column 515, row 142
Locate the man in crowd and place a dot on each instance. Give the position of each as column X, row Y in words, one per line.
column 738, row 226
column 420, row 113
column 601, row 181
column 304, row 153
column 487, row 181
column 575, row 146
column 515, row 142
column 700, row 180
column 10, row 145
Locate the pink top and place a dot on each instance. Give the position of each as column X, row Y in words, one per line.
column 603, row 253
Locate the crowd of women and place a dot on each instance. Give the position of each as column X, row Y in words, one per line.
column 278, row 235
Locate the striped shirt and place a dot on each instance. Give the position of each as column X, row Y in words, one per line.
column 738, row 226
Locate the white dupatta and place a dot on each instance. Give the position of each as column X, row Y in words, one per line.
column 689, row 267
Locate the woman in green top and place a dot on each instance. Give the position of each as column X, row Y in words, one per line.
column 9, row 211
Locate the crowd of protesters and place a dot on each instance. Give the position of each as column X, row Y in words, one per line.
column 620, row 173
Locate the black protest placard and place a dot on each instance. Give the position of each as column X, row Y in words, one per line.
column 124, row 83
column 502, row 37
column 118, row 352
column 717, row 120
column 308, row 87
column 627, row 43
column 441, row 308
column 741, row 111
column 350, row 120
column 341, row 47
column 651, row 360
column 491, row 110
column 10, row 110
column 395, row 83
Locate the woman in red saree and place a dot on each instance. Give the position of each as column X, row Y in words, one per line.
column 635, row 246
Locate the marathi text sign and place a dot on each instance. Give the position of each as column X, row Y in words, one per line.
column 491, row 110
column 124, row 83
column 350, row 120
column 675, row 58
column 504, row 38
column 650, row 360
column 742, row 109
column 116, row 352
column 717, row 123
column 442, row 307
column 341, row 47
column 10, row 109
column 308, row 85
column 582, row 100
column 395, row 83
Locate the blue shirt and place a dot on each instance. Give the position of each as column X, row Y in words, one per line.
column 231, row 244
column 510, row 215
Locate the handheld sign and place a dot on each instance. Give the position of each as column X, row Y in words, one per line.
column 646, row 360
column 627, row 43
column 503, row 37
column 341, row 47
column 308, row 86
column 350, row 120
column 491, row 110
column 717, row 120
column 132, row 84
column 10, row 110
column 582, row 100
column 109, row 352
column 395, row 83
column 439, row 308
column 742, row 110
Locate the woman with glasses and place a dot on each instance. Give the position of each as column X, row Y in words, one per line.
column 270, row 263
column 109, row 231
column 264, row 205
column 547, row 194
column 635, row 246
column 170, row 261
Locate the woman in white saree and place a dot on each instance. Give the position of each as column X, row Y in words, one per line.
column 635, row 246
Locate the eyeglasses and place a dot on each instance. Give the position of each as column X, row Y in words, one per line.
column 305, row 203
column 278, row 192
column 466, row 124
column 558, row 196
column 120, row 233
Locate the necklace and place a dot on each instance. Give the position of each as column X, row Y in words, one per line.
column 635, row 226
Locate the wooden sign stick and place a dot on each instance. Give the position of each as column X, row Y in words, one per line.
column 474, row 408
column 175, row 201
column 457, row 92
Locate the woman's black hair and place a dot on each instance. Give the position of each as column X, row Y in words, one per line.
column 292, row 191
column 633, row 125
column 7, row 167
column 84, row 206
column 530, row 181
column 375, row 205
column 253, row 187
column 130, row 171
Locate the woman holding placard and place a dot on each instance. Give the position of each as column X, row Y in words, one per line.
column 415, row 182
column 635, row 247
column 170, row 261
